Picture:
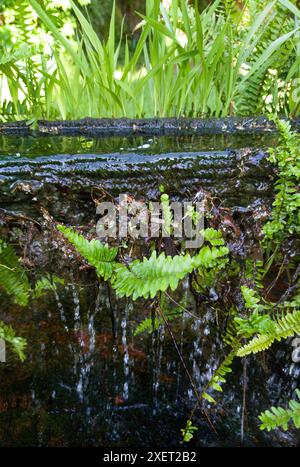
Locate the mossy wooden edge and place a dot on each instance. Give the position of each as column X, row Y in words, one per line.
column 150, row 126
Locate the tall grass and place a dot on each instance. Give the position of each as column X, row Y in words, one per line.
column 216, row 63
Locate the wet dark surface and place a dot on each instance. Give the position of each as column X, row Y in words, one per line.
column 60, row 174
column 83, row 384
column 80, row 387
column 147, row 126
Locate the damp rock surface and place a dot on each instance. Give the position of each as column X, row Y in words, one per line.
column 63, row 182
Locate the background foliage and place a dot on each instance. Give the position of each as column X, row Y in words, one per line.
column 67, row 59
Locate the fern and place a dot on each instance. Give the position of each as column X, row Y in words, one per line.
column 284, row 327
column 45, row 284
column 97, row 254
column 13, row 278
column 158, row 273
column 149, row 325
column 257, row 85
column 145, row 278
column 25, row 21
column 219, row 376
column 167, row 213
column 284, row 219
column 279, row 417
column 188, row 431
column 256, row 322
column 18, row 343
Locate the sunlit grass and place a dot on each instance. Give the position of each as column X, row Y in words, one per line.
column 184, row 64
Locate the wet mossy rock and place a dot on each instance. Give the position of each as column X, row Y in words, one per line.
column 20, row 128
column 63, row 183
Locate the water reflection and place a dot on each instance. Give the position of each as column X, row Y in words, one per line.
column 81, row 385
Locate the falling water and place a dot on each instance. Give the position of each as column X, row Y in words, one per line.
column 212, row 362
column 84, row 358
column 126, row 361
column 79, row 357
column 194, row 357
column 76, row 301
column 179, row 366
column 157, row 366
column 60, row 306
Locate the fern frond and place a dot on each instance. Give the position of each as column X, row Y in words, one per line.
column 284, row 327
column 46, row 283
column 146, row 278
column 284, row 219
column 97, row 254
column 13, row 278
column 24, row 21
column 256, row 86
column 148, row 325
column 219, row 376
column 279, row 417
column 18, row 343
column 158, row 273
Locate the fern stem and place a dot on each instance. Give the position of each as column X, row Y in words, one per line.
column 184, row 365
column 245, row 362
column 182, row 307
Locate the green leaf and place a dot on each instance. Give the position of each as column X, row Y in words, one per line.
column 208, row 398
column 18, row 343
column 98, row 255
column 13, row 278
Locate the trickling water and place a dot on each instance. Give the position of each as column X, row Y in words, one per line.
column 195, row 359
column 78, row 373
column 92, row 333
column 79, row 364
column 76, row 302
column 157, row 364
column 126, row 362
column 179, row 369
column 60, row 306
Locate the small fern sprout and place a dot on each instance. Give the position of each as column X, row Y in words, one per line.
column 279, row 417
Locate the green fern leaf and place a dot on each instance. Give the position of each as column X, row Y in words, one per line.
column 46, row 283
column 98, row 255
column 148, row 325
column 219, row 376
column 13, row 278
column 158, row 273
column 285, row 327
column 279, row 417
column 18, row 343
